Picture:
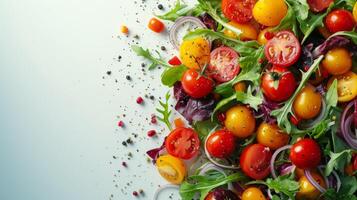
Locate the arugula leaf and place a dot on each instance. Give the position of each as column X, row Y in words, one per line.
column 146, row 54
column 338, row 161
column 310, row 24
column 346, row 192
column 177, row 11
column 351, row 34
column 203, row 128
column 282, row 113
column 289, row 21
column 173, row 74
column 165, row 111
column 204, row 184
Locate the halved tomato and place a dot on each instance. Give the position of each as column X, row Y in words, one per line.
column 182, row 143
column 319, row 5
column 171, row 168
column 283, row 49
column 255, row 160
column 224, row 64
column 238, row 10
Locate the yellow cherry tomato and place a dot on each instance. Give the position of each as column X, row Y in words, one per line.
column 253, row 193
column 307, row 103
column 240, row 121
column 240, row 87
column 337, row 61
column 272, row 136
column 171, row 168
column 195, row 53
column 269, row 12
column 307, row 191
column 346, row 86
column 248, row 31
column 355, row 12
column 261, row 37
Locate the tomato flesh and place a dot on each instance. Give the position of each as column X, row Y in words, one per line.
column 224, row 64
column 182, row 143
column 238, row 10
column 305, row 154
column 319, row 5
column 220, row 144
column 283, row 49
column 196, row 85
column 339, row 20
column 255, row 160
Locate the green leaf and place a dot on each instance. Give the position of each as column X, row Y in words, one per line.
column 346, row 192
column 165, row 112
column 289, row 21
column 203, row 128
column 177, row 11
column 171, row 75
column 332, row 95
column 282, row 114
column 310, row 24
column 338, row 161
column 147, row 54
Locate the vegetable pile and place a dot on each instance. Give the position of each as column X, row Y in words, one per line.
column 267, row 94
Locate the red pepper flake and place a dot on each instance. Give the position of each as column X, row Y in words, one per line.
column 151, row 133
column 221, row 117
column 139, row 100
column 153, row 119
column 174, row 61
column 135, row 193
column 124, row 164
column 121, row 123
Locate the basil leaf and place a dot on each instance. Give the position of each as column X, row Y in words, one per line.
column 171, row 75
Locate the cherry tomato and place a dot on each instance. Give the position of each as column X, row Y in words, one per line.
column 307, row 191
column 319, row 5
column 346, row 86
column 238, row 10
column 221, row 144
column 337, row 61
column 278, row 84
column 196, row 85
column 240, row 87
column 255, row 160
column 224, row 64
column 221, row 193
column 253, row 193
column 156, row 25
column 307, row 103
column 182, row 143
column 194, row 53
column 175, row 61
column 249, row 32
column 339, row 20
column 270, row 12
column 171, row 168
column 240, row 121
column 283, row 49
column 305, row 154
column 295, row 120
column 262, row 37
column 270, row 135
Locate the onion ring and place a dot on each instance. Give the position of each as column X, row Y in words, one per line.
column 160, row 189
column 313, row 182
column 346, row 123
column 275, row 154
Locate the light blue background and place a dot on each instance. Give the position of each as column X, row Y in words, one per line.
column 58, row 116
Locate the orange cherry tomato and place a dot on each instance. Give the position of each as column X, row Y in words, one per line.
column 156, row 25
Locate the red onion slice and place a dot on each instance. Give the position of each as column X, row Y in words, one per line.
column 313, row 182
column 355, row 115
column 275, row 154
column 173, row 36
column 346, row 126
column 160, row 189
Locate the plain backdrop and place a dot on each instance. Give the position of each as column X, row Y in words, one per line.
column 58, row 107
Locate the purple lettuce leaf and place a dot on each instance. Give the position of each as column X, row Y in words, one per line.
column 154, row 153
column 330, row 43
column 208, row 21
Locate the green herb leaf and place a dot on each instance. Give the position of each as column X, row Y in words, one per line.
column 173, row 74
column 146, row 54
column 165, row 111
column 203, row 128
column 346, row 192
column 289, row 21
column 284, row 184
column 338, row 161
column 177, row 11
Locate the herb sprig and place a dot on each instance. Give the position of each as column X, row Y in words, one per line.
column 148, row 55
column 165, row 111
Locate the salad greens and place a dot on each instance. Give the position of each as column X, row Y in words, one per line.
column 165, row 111
column 147, row 55
column 173, row 74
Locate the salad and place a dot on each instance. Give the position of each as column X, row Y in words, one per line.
column 266, row 91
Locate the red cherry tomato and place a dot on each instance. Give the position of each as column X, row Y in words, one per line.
column 224, row 64
column 255, row 160
column 238, row 10
column 305, row 154
column 354, row 164
column 221, row 144
column 278, row 84
column 339, row 20
column 175, row 61
column 156, row 25
column 319, row 5
column 295, row 120
column 182, row 143
column 283, row 49
column 196, row 85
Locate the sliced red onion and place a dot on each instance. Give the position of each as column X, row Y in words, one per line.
column 313, row 182
column 310, row 123
column 346, row 126
column 173, row 36
column 287, row 170
column 275, row 154
column 233, row 167
column 269, row 194
column 327, row 182
column 164, row 187
column 338, row 180
column 328, row 185
column 355, row 115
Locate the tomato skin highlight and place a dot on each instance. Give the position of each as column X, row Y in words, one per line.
column 196, row 85
column 156, row 25
column 255, row 160
column 223, row 65
column 182, row 143
column 286, row 86
column 305, row 154
column 283, row 49
column 238, row 10
column 221, row 144
column 340, row 20
column 319, row 5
